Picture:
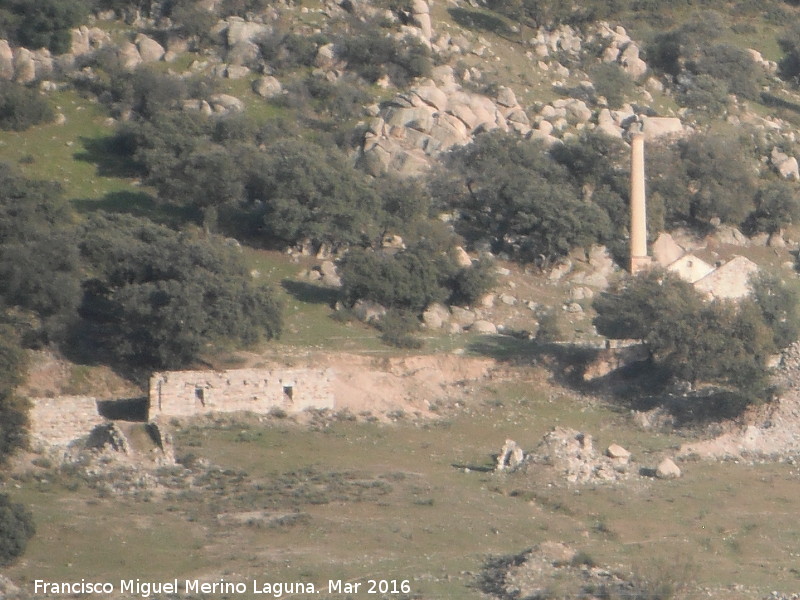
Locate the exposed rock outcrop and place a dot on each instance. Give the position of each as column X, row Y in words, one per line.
column 510, row 457
column 432, row 118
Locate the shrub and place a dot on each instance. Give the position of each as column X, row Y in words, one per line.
column 410, row 280
column 192, row 19
column 729, row 64
column 706, row 72
column 372, row 55
column 789, row 42
column 470, row 283
column 22, row 108
column 723, row 185
column 311, row 192
column 779, row 304
column 719, row 343
column 398, row 328
column 157, row 296
column 552, row 327
column 512, row 190
column 42, row 23
column 16, row 528
column 703, row 92
column 241, row 8
column 612, row 82
column 13, row 409
column 39, row 266
column 286, row 51
column 777, row 206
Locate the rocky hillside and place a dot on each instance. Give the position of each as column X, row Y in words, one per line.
column 548, row 82
column 481, row 130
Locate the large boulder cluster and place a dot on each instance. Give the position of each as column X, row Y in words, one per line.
column 622, row 50
column 433, row 117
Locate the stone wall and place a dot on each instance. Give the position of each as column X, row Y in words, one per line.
column 59, row 421
column 186, row 393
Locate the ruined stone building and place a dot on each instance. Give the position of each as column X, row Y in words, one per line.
column 61, row 420
column 186, row 393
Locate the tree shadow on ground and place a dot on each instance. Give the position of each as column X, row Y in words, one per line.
column 641, row 386
column 473, row 19
column 565, row 361
column 138, row 204
column 109, row 155
column 310, row 293
column 645, row 386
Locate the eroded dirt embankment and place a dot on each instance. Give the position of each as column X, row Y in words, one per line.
column 770, row 432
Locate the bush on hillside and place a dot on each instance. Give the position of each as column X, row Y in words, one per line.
column 192, row 19
column 16, row 528
column 311, row 193
column 39, row 265
column 13, row 409
column 718, row 343
column 705, row 71
column 723, row 184
column 41, row 23
column 528, row 203
column 789, row 41
column 779, row 304
column 22, row 107
column 373, row 54
column 286, row 51
column 611, row 82
column 158, row 297
column 398, row 328
column 777, row 206
column 409, row 280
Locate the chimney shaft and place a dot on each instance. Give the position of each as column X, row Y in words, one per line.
column 639, row 259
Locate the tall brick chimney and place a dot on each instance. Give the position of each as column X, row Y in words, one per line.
column 639, row 259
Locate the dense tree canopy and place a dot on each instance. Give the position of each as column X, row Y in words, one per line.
column 157, row 296
column 39, row 265
column 16, row 528
column 414, row 278
column 22, row 107
column 41, row 23
column 13, row 409
column 515, row 192
column 309, row 192
column 721, row 343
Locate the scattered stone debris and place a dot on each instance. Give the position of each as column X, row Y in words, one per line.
column 618, row 454
column 667, row 469
column 571, row 453
column 531, row 574
column 510, row 457
column 108, row 435
column 10, row 591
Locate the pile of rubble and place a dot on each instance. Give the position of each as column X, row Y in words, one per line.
column 532, row 573
column 9, row 591
column 572, row 455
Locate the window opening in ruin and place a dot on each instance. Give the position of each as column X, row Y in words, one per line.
column 288, row 391
column 200, row 394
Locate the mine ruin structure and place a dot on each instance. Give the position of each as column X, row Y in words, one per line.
column 186, row 393
column 639, row 259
